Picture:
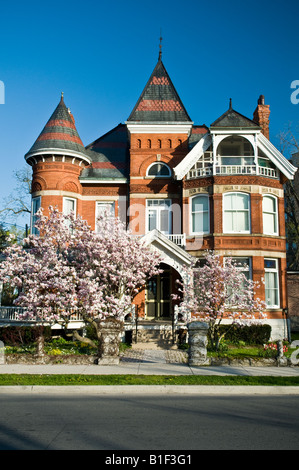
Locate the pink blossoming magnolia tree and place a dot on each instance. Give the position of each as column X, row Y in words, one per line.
column 70, row 269
column 220, row 291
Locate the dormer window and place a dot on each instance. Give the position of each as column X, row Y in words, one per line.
column 159, row 170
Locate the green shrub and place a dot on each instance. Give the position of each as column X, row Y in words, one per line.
column 253, row 334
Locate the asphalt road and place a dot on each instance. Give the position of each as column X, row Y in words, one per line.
column 148, row 422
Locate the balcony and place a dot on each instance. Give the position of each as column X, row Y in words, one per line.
column 233, row 170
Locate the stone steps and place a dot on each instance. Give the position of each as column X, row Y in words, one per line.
column 153, row 336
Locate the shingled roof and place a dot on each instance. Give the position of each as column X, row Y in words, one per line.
column 109, row 156
column 59, row 135
column 232, row 118
column 159, row 101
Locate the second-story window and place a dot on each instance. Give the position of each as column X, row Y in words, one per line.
column 236, row 213
column 159, row 215
column 200, row 214
column 159, row 170
column 270, row 215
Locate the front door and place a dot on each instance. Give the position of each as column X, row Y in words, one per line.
column 158, row 296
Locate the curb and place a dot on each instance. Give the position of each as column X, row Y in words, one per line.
column 209, row 390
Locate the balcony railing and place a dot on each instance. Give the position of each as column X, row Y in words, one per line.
column 11, row 314
column 14, row 314
column 178, row 239
column 233, row 170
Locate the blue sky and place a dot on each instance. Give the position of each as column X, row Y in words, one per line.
column 101, row 54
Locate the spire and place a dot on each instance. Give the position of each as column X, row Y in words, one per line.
column 160, row 46
column 59, row 134
column 159, row 101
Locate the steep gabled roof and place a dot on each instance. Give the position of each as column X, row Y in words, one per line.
column 232, row 118
column 159, row 101
column 59, row 135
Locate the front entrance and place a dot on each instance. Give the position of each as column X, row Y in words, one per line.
column 158, row 303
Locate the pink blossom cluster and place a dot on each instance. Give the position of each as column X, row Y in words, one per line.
column 220, row 291
column 68, row 268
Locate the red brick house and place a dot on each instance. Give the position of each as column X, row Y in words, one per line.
column 185, row 187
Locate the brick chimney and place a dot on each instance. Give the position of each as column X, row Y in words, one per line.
column 261, row 115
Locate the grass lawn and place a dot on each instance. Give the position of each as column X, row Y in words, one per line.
column 73, row 379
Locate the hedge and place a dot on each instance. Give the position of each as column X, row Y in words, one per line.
column 253, row 334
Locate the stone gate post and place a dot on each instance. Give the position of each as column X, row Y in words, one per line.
column 111, row 330
column 198, row 341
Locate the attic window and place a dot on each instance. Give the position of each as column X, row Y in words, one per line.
column 159, row 170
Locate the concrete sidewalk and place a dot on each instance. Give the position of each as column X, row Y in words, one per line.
column 150, row 362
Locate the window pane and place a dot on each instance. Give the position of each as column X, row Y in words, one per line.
column 159, row 169
column 269, row 204
column 228, row 222
column 200, row 203
column 241, row 221
column 69, row 206
column 270, row 264
column 271, row 289
column 200, row 222
column 164, row 221
column 35, row 208
column 152, row 220
column 241, row 201
column 269, row 223
column 228, row 201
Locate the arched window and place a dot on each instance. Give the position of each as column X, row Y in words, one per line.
column 138, row 144
column 159, row 170
column 236, row 213
column 149, row 143
column 200, row 214
column 270, row 216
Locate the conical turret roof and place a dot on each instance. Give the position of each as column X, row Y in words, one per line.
column 59, row 136
column 159, row 101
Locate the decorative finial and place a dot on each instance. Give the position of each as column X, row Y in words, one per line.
column 230, row 104
column 62, row 96
column 160, row 45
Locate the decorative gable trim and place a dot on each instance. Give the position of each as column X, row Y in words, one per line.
column 191, row 158
column 172, row 254
column 276, row 157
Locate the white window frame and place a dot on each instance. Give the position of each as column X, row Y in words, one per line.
column 148, row 208
column 275, row 271
column 240, row 260
column 103, row 203
column 248, row 211
column 65, row 198
column 192, row 213
column 158, row 176
column 275, row 214
column 33, row 229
